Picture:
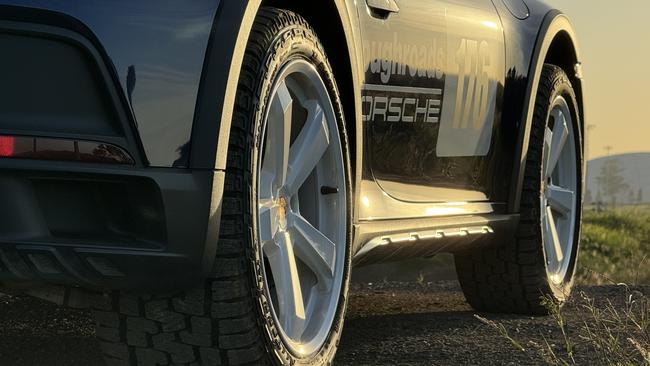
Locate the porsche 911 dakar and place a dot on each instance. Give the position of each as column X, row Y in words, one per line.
column 205, row 174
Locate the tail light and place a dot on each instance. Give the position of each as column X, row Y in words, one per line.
column 26, row 147
column 6, row 146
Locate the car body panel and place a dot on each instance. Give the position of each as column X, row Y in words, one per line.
column 517, row 8
column 429, row 109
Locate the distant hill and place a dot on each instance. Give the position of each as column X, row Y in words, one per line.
column 636, row 172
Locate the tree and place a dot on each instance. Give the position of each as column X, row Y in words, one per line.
column 630, row 197
column 639, row 196
column 611, row 180
column 589, row 199
column 599, row 201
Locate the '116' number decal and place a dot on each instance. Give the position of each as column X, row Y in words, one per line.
column 473, row 59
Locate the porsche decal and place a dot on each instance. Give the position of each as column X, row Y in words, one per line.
column 384, row 103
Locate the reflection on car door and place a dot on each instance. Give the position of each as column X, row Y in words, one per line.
column 434, row 70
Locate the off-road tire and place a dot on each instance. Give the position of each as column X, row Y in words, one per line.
column 513, row 278
column 228, row 320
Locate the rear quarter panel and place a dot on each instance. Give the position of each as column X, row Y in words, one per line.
column 165, row 42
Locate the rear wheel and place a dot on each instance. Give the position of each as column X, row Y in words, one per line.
column 278, row 291
column 541, row 260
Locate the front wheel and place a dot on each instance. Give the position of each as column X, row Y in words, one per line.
column 300, row 179
column 541, row 261
column 281, row 276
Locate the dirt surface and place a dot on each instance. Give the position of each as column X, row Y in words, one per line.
column 389, row 323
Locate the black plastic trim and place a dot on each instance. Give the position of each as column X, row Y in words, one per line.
column 504, row 227
column 182, row 260
column 554, row 23
column 220, row 75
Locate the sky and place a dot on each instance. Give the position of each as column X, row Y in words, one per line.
column 614, row 38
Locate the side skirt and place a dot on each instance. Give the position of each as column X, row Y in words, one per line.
column 394, row 240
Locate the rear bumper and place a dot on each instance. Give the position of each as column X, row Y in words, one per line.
column 106, row 227
column 117, row 225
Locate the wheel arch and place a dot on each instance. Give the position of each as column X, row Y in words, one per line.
column 556, row 44
column 335, row 24
column 564, row 52
column 224, row 57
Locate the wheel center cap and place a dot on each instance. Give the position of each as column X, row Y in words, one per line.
column 283, row 205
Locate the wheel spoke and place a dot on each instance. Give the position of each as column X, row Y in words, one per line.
column 267, row 223
column 560, row 199
column 309, row 147
column 279, row 135
column 282, row 260
column 312, row 302
column 548, row 139
column 314, row 248
column 551, row 238
column 560, row 135
column 265, row 189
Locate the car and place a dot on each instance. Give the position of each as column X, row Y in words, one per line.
column 204, row 175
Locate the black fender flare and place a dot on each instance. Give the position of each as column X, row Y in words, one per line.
column 217, row 93
column 554, row 24
column 224, row 57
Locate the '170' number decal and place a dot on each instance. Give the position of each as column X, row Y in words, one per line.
column 473, row 59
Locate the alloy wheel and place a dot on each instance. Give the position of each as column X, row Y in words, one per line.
column 560, row 191
column 301, row 208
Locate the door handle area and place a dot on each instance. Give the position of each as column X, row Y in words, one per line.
column 382, row 8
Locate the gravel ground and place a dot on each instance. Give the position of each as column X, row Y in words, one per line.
column 389, row 323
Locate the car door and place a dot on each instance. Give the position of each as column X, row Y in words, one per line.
column 434, row 75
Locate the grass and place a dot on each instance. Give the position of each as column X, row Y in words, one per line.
column 615, row 246
column 614, row 330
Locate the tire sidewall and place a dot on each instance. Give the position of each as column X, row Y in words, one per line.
column 295, row 41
